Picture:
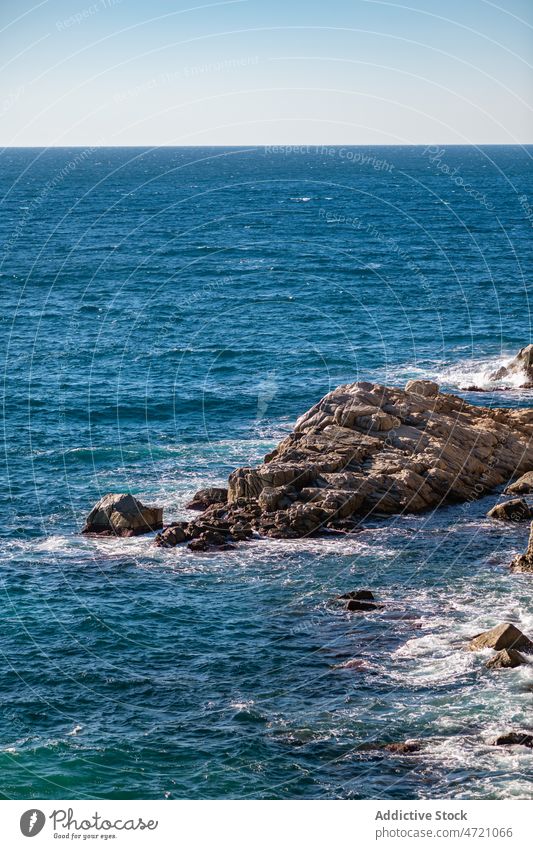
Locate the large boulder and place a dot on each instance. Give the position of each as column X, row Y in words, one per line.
column 520, row 368
column 524, row 562
column 523, row 486
column 122, row 515
column 515, row 510
column 504, row 636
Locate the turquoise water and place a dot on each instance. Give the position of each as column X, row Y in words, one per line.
column 167, row 314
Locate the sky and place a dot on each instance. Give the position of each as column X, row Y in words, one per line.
column 275, row 72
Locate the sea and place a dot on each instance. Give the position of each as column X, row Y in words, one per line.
column 167, row 314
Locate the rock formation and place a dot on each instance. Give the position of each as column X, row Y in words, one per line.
column 521, row 366
column 371, row 450
column 504, row 636
column 122, row 515
column 514, row 510
column 524, row 562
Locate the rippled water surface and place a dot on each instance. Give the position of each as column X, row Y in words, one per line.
column 167, row 314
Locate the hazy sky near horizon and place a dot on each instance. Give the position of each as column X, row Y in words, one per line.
column 126, row 72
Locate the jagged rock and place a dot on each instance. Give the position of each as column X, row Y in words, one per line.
column 205, row 498
column 122, row 515
column 515, row 510
column 172, row 535
column 407, row 747
column 504, row 636
column 426, row 388
column 514, row 738
column 524, row 562
column 506, row 659
column 521, row 365
column 523, row 486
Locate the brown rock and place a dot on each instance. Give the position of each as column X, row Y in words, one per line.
column 205, row 498
column 506, row 659
column 172, row 535
column 515, row 510
column 524, row 562
column 523, row 486
column 514, row 738
column 122, row 515
column 504, row 636
column 426, row 388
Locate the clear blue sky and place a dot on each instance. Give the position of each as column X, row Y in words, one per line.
column 126, row 72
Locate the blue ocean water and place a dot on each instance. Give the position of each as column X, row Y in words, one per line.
column 167, row 314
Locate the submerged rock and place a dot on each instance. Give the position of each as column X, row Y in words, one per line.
column 521, row 366
column 205, row 498
column 514, row 738
column 504, row 636
column 354, row 604
column 523, row 486
column 122, row 515
column 515, row 510
column 524, row 562
column 506, row 659
column 407, row 747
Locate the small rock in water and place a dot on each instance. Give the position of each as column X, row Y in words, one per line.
column 504, row 636
column 515, row 510
column 172, row 535
column 407, row 747
column 354, row 604
column 522, row 486
column 359, row 595
column 506, row 659
column 514, row 738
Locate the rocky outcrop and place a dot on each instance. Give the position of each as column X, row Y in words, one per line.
column 523, row 486
column 122, row 515
column 371, row 450
column 524, row 562
column 504, row 636
column 520, row 367
column 205, row 498
column 515, row 510
column 506, row 659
